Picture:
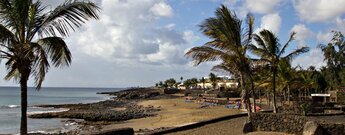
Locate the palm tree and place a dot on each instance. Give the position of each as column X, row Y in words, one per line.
column 190, row 83
column 271, row 51
column 310, row 80
column 306, row 83
column 30, row 42
column 286, row 77
column 228, row 44
column 203, row 82
column 213, row 79
column 170, row 82
column 334, row 56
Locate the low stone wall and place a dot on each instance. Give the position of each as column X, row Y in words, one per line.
column 278, row 122
column 292, row 124
column 120, row 131
column 171, row 91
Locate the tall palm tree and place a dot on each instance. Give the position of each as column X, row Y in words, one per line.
column 271, row 51
column 213, row 79
column 334, row 56
column 228, row 44
column 30, row 42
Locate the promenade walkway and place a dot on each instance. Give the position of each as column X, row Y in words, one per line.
column 226, row 127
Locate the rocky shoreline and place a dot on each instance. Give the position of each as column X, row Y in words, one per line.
column 120, row 108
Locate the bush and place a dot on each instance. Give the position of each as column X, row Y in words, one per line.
column 341, row 97
column 305, row 107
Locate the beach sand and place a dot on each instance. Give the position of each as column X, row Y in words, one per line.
column 177, row 112
column 174, row 112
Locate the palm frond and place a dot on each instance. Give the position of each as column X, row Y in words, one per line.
column 224, row 29
column 271, row 41
column 67, row 16
column 11, row 14
column 40, row 65
column 6, row 36
column 258, row 51
column 232, row 69
column 35, row 18
column 203, row 54
column 12, row 68
column 249, row 30
column 261, row 45
column 57, row 50
column 291, row 38
column 295, row 53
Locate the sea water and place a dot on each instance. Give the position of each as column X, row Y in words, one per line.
column 10, row 106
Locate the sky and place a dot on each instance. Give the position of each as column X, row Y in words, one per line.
column 142, row 42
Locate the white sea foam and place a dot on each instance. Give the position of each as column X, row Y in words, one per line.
column 48, row 111
column 39, row 131
column 10, row 106
column 13, row 106
column 71, row 124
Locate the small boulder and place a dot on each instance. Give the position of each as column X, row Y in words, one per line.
column 312, row 128
column 247, row 127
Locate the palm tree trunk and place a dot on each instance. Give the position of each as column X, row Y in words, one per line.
column 260, row 98
column 253, row 92
column 268, row 99
column 285, row 94
column 245, row 97
column 274, row 90
column 288, row 94
column 309, row 93
column 24, row 103
column 305, row 94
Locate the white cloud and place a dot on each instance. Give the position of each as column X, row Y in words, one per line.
column 270, row 22
column 324, row 37
column 319, row 10
column 170, row 26
column 162, row 9
column 190, row 37
column 313, row 58
column 168, row 54
column 126, row 31
column 230, row 2
column 340, row 24
column 302, row 33
column 260, row 6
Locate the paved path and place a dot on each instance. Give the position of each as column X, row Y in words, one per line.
column 227, row 127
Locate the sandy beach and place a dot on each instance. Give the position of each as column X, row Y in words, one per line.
column 174, row 112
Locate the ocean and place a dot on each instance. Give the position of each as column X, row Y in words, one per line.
column 10, row 106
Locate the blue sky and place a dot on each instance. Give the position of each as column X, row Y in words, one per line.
column 141, row 42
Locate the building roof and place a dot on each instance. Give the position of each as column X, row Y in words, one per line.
column 320, row 95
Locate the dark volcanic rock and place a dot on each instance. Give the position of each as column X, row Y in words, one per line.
column 247, row 127
column 123, row 107
column 136, row 93
column 101, row 113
